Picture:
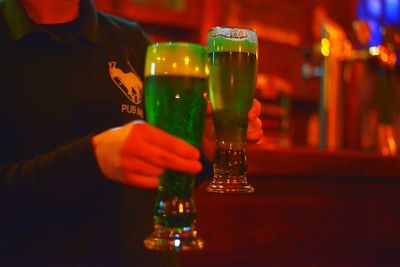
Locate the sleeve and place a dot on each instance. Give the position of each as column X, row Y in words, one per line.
column 67, row 168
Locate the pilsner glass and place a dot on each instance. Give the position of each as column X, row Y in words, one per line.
column 232, row 60
column 175, row 85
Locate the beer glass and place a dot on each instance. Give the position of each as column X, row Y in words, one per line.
column 174, row 87
column 232, row 61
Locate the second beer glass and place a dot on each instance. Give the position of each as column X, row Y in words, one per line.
column 232, row 54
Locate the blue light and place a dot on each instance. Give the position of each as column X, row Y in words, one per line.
column 361, row 12
column 376, row 35
column 374, row 8
column 392, row 12
column 378, row 13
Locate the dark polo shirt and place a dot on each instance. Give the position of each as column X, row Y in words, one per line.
column 59, row 85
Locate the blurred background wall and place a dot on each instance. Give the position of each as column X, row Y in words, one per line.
column 293, row 83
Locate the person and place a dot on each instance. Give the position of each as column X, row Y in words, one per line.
column 78, row 163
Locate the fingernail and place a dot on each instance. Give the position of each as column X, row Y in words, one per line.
column 196, row 154
column 199, row 167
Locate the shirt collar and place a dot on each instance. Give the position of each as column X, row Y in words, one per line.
column 18, row 21
column 20, row 24
column 88, row 16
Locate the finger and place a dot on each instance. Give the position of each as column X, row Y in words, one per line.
column 254, row 131
column 134, row 164
column 142, row 181
column 255, row 135
column 254, row 125
column 170, row 160
column 162, row 149
column 165, row 141
column 255, row 110
column 171, row 143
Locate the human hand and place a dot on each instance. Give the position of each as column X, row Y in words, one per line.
column 254, row 130
column 253, row 135
column 137, row 153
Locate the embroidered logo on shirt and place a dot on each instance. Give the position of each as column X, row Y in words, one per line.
column 129, row 83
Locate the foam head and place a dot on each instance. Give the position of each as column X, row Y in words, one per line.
column 175, row 59
column 231, row 39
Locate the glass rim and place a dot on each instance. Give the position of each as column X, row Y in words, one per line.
column 175, row 58
column 232, row 27
column 178, row 43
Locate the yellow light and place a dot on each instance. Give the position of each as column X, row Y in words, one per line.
column 187, row 60
column 325, row 42
column 374, row 51
column 325, row 51
column 207, row 70
column 174, row 65
column 180, row 208
column 325, row 47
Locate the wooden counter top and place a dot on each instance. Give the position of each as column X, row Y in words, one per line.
column 312, row 163
column 309, row 209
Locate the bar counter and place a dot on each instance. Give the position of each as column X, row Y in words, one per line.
column 310, row 208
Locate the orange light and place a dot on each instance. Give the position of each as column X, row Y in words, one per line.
column 385, row 57
column 392, row 59
column 347, row 49
column 384, row 54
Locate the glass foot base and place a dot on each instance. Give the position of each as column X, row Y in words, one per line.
column 230, row 184
column 173, row 239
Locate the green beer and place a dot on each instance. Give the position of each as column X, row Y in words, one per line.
column 176, row 104
column 232, row 57
column 232, row 88
column 175, row 84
